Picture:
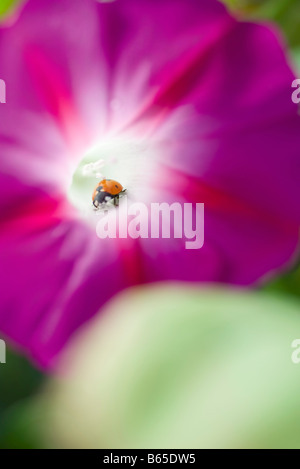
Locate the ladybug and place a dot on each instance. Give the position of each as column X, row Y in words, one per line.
column 107, row 190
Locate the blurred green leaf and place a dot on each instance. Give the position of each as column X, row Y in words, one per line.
column 19, row 427
column 179, row 367
column 284, row 12
column 288, row 283
column 18, row 381
column 7, row 5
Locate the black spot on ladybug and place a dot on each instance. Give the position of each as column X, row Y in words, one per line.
column 117, row 187
column 99, row 188
column 102, row 197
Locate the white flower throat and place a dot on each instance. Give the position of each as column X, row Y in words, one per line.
column 127, row 161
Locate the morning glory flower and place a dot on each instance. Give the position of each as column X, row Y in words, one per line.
column 177, row 101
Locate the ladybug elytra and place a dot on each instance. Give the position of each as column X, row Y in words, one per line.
column 107, row 190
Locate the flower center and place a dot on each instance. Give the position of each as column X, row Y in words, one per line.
column 125, row 160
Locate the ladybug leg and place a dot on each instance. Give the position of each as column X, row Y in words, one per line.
column 116, row 201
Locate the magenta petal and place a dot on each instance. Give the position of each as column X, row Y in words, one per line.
column 55, row 275
column 242, row 137
column 50, row 115
column 54, row 43
column 147, row 43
